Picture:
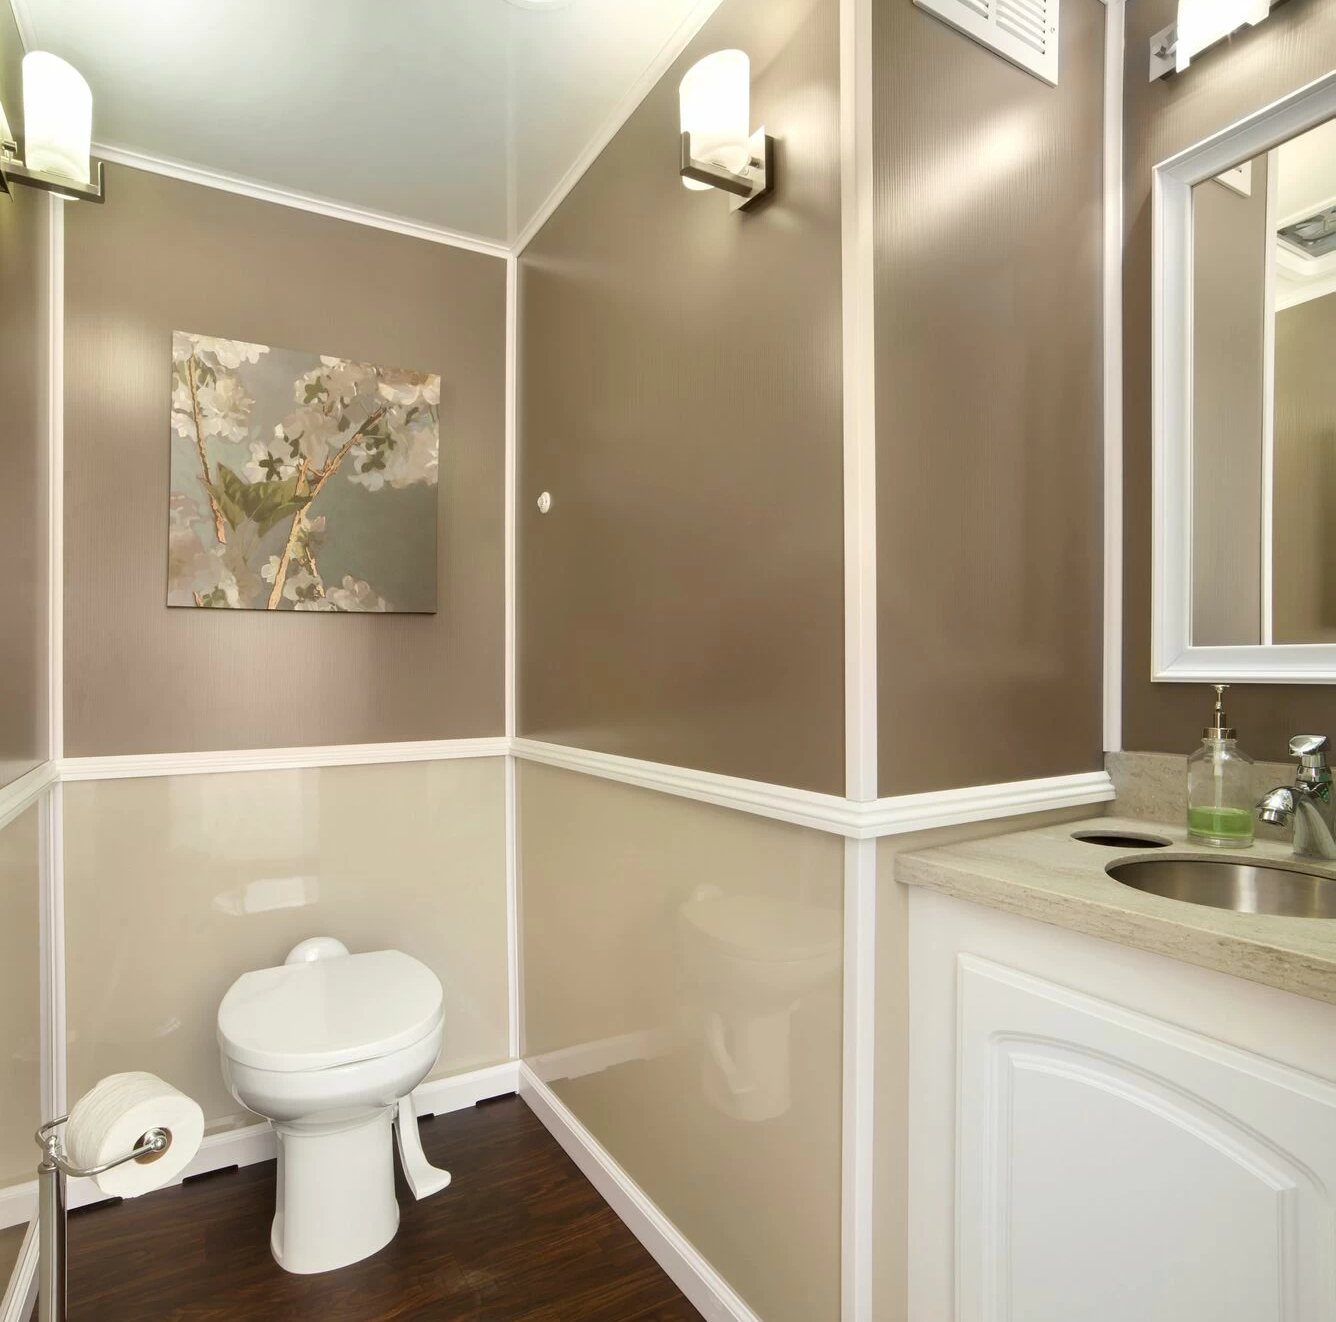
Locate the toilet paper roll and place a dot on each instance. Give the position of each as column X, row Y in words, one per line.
column 110, row 1119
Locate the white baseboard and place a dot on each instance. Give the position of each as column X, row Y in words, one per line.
column 20, row 1296
column 708, row 1292
column 255, row 1143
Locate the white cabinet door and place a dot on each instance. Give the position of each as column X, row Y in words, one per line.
column 1114, row 1168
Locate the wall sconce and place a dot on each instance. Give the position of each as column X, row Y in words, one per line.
column 58, row 132
column 719, row 150
column 1201, row 23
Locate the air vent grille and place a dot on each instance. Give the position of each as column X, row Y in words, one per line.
column 1022, row 31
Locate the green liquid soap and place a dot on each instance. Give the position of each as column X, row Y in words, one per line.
column 1232, row 824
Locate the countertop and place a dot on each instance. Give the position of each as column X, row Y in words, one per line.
column 1048, row 875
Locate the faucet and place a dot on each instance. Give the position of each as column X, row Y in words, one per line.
column 1308, row 802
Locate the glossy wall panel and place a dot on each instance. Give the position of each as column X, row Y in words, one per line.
column 680, row 397
column 1257, row 66
column 988, row 213
column 161, row 255
column 174, row 886
column 712, row 1075
column 23, row 536
column 20, row 1027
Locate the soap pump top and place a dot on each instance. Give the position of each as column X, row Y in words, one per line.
column 1220, row 789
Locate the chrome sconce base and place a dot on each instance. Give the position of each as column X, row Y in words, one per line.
column 13, row 171
column 745, row 187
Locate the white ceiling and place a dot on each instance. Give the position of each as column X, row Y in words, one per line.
column 459, row 114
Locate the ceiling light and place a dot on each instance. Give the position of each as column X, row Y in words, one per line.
column 719, row 150
column 58, row 129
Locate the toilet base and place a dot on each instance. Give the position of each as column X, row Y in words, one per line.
column 336, row 1202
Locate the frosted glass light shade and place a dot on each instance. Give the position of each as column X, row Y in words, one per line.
column 57, row 117
column 715, row 99
column 1201, row 23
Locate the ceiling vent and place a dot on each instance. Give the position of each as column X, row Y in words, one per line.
column 1022, row 31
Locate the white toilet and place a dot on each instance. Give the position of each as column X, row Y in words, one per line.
column 753, row 958
column 328, row 1047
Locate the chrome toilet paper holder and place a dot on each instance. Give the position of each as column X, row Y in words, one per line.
column 52, row 1172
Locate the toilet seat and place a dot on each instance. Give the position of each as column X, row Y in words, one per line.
column 329, row 1012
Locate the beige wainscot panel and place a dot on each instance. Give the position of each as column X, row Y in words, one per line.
column 20, row 1032
column 176, row 885
column 682, row 984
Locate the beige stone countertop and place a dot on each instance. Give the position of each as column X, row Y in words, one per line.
column 1048, row 875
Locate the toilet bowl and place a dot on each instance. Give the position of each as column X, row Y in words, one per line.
column 326, row 1050
column 752, row 959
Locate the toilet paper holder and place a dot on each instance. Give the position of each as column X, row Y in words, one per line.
column 52, row 1172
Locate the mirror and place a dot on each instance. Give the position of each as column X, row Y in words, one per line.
column 1245, row 400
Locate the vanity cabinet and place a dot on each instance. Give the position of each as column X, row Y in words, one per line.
column 1108, row 1163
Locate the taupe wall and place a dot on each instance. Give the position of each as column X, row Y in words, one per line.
column 1304, row 601
column 1229, row 321
column 159, row 256
column 989, row 404
column 680, row 399
column 22, row 452
column 1294, row 46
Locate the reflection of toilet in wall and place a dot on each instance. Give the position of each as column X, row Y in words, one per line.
column 328, row 1047
column 753, row 958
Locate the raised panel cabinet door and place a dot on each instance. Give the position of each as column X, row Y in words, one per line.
column 1113, row 1167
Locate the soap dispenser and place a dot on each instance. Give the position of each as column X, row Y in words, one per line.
column 1220, row 790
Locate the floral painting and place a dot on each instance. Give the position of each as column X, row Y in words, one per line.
column 300, row 482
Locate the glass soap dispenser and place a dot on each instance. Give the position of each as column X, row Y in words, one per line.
column 1220, row 794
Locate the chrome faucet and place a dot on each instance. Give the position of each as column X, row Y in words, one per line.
column 1308, row 802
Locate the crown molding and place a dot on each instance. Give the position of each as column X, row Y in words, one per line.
column 320, row 206
column 626, row 107
column 23, row 21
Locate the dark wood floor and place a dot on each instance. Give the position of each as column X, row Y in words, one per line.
column 519, row 1236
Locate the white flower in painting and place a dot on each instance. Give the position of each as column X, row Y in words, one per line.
column 312, row 430
column 302, row 585
column 269, row 570
column 228, row 354
column 183, row 408
column 345, row 380
column 402, row 388
column 269, row 463
column 315, row 604
column 356, row 595
column 412, row 455
column 225, row 408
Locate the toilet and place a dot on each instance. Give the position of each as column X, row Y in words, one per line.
column 752, row 959
column 328, row 1047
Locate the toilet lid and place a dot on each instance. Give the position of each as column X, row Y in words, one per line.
column 329, row 1012
column 765, row 927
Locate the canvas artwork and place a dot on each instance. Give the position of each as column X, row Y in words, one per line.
column 300, row 482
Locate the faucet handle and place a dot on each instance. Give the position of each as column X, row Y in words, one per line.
column 1310, row 749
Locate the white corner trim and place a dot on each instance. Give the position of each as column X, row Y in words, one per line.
column 138, row 765
column 1114, row 34
column 20, row 1296
column 857, row 1242
column 20, row 795
column 320, row 206
column 53, row 409
column 708, row 1292
column 510, row 479
column 857, row 262
column 898, row 815
column 23, row 21
column 251, row 1144
column 625, row 108
column 514, row 966
column 51, row 953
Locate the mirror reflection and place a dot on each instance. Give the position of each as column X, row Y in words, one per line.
column 1264, row 398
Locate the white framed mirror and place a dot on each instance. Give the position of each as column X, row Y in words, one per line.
column 1244, row 400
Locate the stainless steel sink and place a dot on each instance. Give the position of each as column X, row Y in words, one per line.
column 1228, row 884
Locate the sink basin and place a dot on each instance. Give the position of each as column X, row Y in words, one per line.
column 1227, row 884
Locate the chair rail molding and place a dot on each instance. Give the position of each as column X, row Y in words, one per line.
column 898, row 815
